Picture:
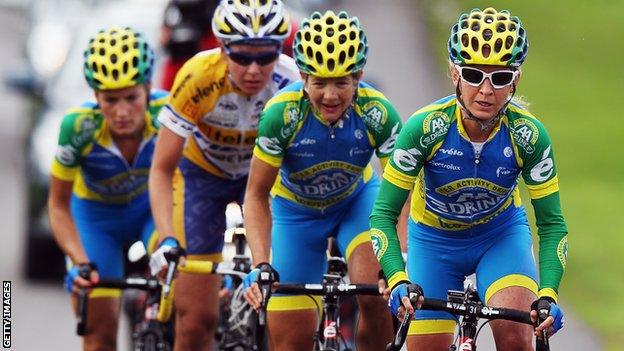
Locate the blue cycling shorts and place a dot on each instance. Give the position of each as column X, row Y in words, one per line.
column 299, row 239
column 199, row 202
column 104, row 229
column 438, row 261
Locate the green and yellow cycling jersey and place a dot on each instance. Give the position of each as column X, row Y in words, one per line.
column 87, row 155
column 463, row 190
column 322, row 164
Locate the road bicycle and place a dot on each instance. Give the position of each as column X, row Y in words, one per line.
column 468, row 309
column 328, row 336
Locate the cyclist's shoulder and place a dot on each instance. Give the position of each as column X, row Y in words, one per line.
column 434, row 118
column 528, row 133
column 80, row 123
column 288, row 97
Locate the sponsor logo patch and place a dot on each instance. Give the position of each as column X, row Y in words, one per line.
column 562, row 251
column 406, row 159
column 379, row 242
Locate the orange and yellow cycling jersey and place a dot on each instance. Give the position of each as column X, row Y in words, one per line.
column 219, row 122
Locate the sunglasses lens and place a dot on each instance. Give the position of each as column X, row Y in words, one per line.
column 265, row 59
column 502, row 78
column 472, row 76
column 246, row 60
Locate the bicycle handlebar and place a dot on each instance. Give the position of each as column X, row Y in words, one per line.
column 338, row 289
column 467, row 309
column 149, row 284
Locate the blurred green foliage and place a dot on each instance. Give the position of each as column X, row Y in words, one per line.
column 574, row 80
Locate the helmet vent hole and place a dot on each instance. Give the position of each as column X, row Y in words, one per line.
column 465, row 55
column 351, row 51
column 125, row 37
column 113, row 59
column 508, row 42
column 521, row 32
column 104, row 70
column 453, row 53
column 475, row 26
column 135, row 45
column 487, row 34
column 124, row 68
column 506, row 57
column 486, row 50
column 454, row 39
column 318, row 40
column 331, row 64
column 319, row 57
column 318, row 28
column 476, row 16
column 342, row 39
column 135, row 62
column 360, row 48
column 94, row 67
column 342, row 57
column 115, row 74
column 124, row 48
column 307, row 36
column 350, row 67
column 352, row 35
column 309, row 52
column 498, row 45
column 512, row 27
column 519, row 42
column 474, row 42
column 342, row 27
column 329, row 21
column 330, row 48
column 102, row 52
column 113, row 42
column 488, row 19
column 330, row 32
column 500, row 28
column 501, row 18
column 465, row 39
column 464, row 24
column 92, row 50
column 102, row 40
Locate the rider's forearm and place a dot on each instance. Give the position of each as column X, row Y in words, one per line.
column 161, row 200
column 65, row 232
column 553, row 243
column 258, row 227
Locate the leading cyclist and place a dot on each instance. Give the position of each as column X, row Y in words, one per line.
column 209, row 127
column 462, row 156
column 98, row 197
column 312, row 162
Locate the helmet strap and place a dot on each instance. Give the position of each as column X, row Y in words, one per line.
column 483, row 125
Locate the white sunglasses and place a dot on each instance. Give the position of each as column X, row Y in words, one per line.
column 475, row 76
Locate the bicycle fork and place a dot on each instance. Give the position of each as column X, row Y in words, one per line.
column 467, row 335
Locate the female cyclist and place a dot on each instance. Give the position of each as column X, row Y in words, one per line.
column 312, row 162
column 462, row 157
column 203, row 152
column 98, row 188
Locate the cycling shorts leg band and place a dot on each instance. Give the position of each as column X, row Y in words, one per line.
column 431, row 326
column 294, row 303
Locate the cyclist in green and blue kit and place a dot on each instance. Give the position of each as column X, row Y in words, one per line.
column 462, row 157
column 312, row 162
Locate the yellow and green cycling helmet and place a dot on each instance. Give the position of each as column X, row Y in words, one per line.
column 488, row 37
column 329, row 45
column 118, row 58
